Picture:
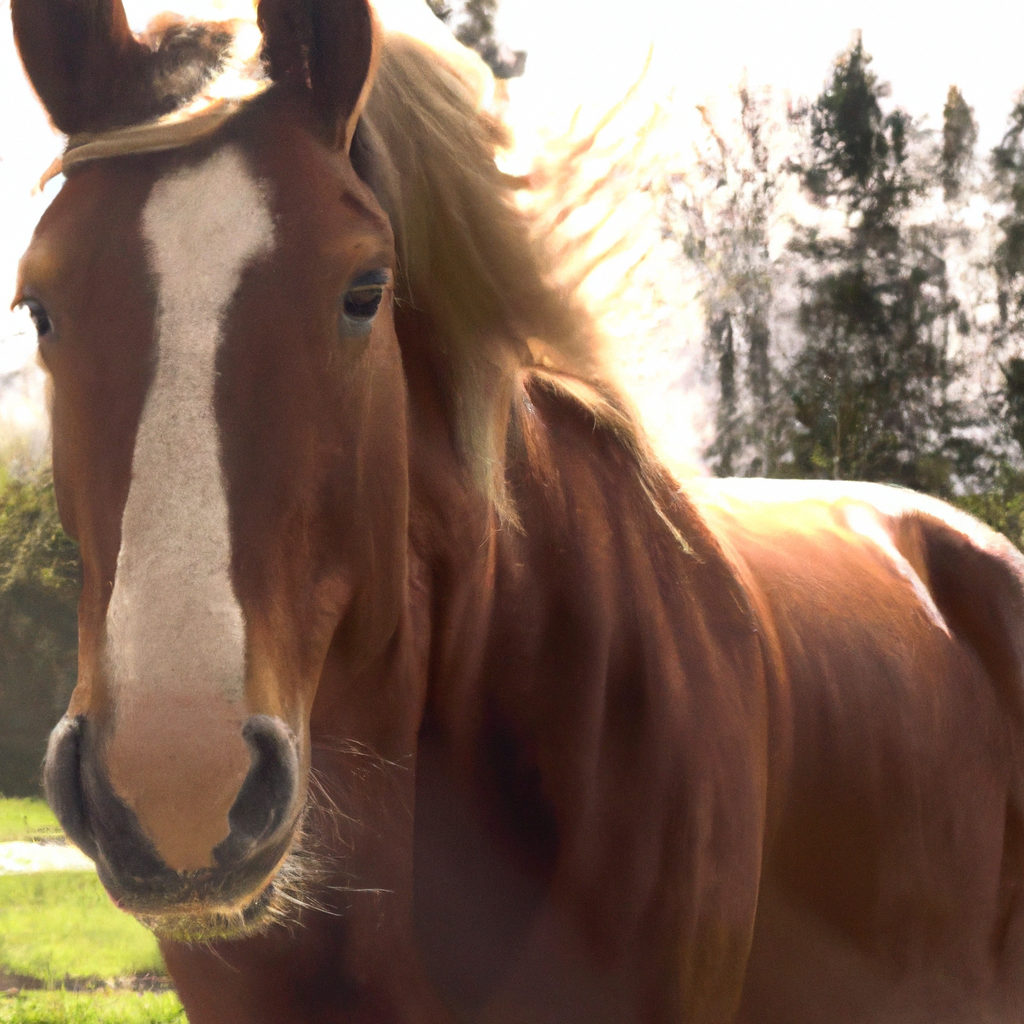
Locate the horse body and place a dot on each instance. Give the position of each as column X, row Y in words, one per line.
column 890, row 887
column 442, row 703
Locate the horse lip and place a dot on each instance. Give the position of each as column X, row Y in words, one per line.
column 194, row 893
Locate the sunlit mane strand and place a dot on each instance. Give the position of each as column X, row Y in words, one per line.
column 470, row 259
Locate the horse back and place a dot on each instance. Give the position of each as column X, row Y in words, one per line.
column 894, row 854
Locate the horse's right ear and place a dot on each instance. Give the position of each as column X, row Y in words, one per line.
column 81, row 58
column 326, row 49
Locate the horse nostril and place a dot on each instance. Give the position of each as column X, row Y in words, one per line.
column 62, row 780
column 267, row 792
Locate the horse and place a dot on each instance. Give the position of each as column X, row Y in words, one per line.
column 412, row 686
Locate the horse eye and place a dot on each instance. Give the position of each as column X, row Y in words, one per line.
column 362, row 300
column 363, row 303
column 40, row 317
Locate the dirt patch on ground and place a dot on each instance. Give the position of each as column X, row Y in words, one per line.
column 146, row 982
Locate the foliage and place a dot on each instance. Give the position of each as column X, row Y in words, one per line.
column 723, row 213
column 103, row 1007
column 1001, row 505
column 40, row 577
column 841, row 281
column 57, row 924
column 959, row 135
column 1008, row 191
column 472, row 22
column 27, row 819
column 858, row 154
column 872, row 382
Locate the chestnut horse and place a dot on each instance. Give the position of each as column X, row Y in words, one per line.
column 411, row 688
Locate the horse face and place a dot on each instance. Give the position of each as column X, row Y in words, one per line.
column 228, row 448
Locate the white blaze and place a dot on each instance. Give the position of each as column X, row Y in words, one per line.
column 174, row 623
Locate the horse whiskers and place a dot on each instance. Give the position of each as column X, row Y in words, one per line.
column 326, row 836
column 352, row 888
column 294, row 889
column 332, row 808
column 355, row 748
column 301, row 900
column 368, row 765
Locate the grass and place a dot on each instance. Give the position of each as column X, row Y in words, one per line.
column 26, row 818
column 104, row 1007
column 58, row 925
column 55, row 924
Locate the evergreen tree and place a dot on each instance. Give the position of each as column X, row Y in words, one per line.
column 472, row 22
column 871, row 383
column 1008, row 188
column 959, row 135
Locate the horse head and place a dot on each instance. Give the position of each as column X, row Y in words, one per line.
column 228, row 437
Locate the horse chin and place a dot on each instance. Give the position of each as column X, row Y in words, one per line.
column 191, row 916
column 202, row 924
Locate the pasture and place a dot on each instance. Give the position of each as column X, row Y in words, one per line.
column 24, row 818
column 66, row 953
column 101, row 1007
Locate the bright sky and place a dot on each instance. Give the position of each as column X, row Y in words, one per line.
column 702, row 47
column 588, row 52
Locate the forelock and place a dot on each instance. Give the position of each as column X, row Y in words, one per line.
column 199, row 74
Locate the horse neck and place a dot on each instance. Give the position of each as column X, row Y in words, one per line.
column 594, row 551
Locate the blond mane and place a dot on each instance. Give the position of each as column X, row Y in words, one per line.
column 470, row 259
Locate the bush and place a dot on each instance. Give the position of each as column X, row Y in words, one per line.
column 1002, row 506
column 40, row 578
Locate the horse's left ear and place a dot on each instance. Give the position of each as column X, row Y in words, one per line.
column 327, row 48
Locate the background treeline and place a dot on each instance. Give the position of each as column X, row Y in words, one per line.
column 39, row 582
column 472, row 23
column 862, row 284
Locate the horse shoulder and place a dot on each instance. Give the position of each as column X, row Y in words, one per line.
column 803, row 549
column 892, row 626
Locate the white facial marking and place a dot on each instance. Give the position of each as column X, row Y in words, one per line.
column 174, row 623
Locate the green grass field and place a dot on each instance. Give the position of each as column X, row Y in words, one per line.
column 60, row 927
column 56, row 924
column 25, row 818
column 106, row 1007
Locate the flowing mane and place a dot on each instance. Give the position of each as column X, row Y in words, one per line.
column 471, row 261
column 469, row 257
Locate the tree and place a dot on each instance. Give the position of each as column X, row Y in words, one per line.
column 871, row 383
column 723, row 213
column 1003, row 494
column 472, row 22
column 959, row 135
column 1007, row 165
column 40, row 578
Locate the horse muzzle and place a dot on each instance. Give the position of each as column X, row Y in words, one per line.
column 227, row 897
